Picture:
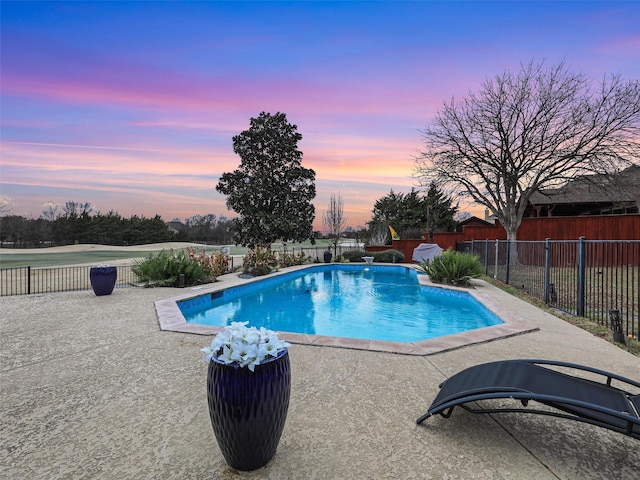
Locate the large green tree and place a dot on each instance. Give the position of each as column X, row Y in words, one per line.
column 529, row 130
column 411, row 214
column 440, row 211
column 270, row 191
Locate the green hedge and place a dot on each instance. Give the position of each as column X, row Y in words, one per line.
column 354, row 255
column 386, row 256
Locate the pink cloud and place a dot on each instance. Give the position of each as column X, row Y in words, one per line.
column 626, row 46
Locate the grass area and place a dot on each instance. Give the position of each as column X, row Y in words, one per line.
column 632, row 346
column 45, row 258
column 68, row 258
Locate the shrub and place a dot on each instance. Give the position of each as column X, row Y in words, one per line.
column 164, row 269
column 453, row 267
column 387, row 256
column 215, row 264
column 290, row 259
column 354, row 255
column 259, row 261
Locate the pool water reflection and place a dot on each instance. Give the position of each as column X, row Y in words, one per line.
column 376, row 302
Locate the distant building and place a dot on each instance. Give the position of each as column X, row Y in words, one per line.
column 590, row 195
column 474, row 222
column 176, row 227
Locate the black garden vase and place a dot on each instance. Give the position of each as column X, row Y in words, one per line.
column 103, row 279
column 248, row 409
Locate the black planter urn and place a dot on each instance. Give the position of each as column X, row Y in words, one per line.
column 248, row 409
column 103, row 279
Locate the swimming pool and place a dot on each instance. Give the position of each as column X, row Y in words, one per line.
column 376, row 302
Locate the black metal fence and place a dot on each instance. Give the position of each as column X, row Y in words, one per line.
column 32, row 280
column 597, row 279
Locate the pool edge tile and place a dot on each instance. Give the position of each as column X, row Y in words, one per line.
column 170, row 318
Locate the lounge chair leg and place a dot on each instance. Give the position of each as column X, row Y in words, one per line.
column 423, row 418
column 445, row 413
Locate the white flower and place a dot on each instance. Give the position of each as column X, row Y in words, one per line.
column 244, row 346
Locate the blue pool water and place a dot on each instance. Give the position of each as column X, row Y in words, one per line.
column 354, row 301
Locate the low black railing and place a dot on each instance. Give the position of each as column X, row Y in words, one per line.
column 33, row 280
column 596, row 279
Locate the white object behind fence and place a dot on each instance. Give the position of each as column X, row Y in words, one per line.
column 426, row 251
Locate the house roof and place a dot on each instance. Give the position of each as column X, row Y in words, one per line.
column 601, row 188
column 473, row 220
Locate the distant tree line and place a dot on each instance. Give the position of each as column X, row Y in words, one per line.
column 76, row 223
column 109, row 229
column 209, row 229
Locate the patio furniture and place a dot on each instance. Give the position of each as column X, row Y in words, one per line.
column 611, row 401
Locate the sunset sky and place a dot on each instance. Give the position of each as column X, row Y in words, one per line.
column 131, row 106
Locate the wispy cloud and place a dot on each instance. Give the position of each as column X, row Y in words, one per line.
column 100, row 104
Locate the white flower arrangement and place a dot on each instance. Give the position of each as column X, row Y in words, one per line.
column 244, row 346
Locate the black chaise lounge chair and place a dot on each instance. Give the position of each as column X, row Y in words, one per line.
column 607, row 404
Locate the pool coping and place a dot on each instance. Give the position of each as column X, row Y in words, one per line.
column 171, row 319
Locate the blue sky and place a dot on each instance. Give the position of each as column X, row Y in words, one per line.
column 132, row 106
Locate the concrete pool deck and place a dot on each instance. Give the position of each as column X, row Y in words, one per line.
column 90, row 387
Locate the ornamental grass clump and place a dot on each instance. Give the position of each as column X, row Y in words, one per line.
column 165, row 268
column 245, row 346
column 456, row 268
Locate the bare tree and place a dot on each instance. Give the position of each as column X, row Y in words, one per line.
column 525, row 131
column 73, row 209
column 333, row 220
column 50, row 210
column 378, row 234
column 6, row 204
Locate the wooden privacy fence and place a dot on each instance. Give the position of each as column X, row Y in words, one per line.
column 603, row 227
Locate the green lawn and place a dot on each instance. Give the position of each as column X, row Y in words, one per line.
column 47, row 259
column 69, row 258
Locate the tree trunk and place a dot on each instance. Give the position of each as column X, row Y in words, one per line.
column 512, row 236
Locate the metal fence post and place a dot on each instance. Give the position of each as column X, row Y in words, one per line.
column 547, row 269
column 486, row 256
column 581, row 276
column 29, row 280
column 495, row 272
column 616, row 326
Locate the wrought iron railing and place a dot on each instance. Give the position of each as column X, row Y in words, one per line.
column 33, row 280
column 597, row 279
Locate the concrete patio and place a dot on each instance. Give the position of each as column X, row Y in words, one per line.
column 92, row 388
